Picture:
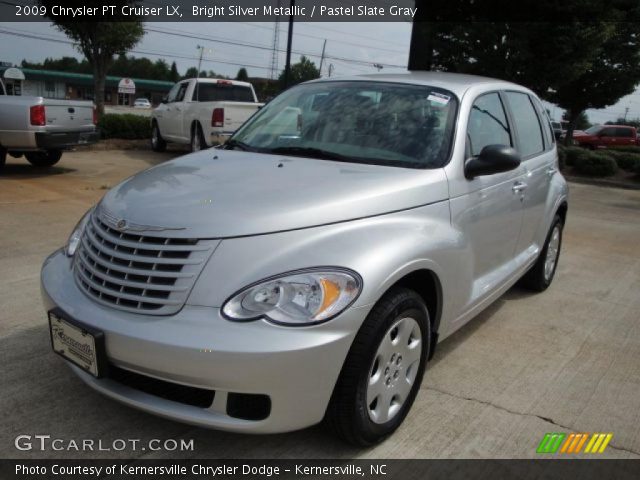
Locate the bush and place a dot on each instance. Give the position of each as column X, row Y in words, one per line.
column 562, row 156
column 125, row 125
column 574, row 154
column 626, row 148
column 595, row 164
column 627, row 160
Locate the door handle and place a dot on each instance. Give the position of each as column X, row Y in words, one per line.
column 519, row 187
column 550, row 171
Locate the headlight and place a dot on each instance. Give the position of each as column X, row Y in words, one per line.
column 76, row 234
column 296, row 298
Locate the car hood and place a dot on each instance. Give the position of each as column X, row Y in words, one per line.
column 219, row 193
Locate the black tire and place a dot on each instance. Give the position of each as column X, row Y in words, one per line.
column 537, row 278
column 197, row 139
column 348, row 414
column 3, row 157
column 44, row 159
column 158, row 143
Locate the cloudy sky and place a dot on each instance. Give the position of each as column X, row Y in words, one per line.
column 351, row 48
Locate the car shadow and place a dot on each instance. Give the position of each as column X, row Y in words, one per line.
column 21, row 169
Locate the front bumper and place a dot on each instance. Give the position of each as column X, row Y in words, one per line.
column 65, row 140
column 296, row 368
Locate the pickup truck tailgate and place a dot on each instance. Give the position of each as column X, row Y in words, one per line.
column 65, row 115
column 236, row 113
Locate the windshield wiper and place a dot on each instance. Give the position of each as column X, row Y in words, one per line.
column 232, row 144
column 311, row 152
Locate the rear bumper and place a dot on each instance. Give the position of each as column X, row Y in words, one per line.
column 65, row 140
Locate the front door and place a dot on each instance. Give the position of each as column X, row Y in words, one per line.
column 488, row 209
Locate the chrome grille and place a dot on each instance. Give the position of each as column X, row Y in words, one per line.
column 135, row 272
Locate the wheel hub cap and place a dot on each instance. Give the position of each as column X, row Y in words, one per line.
column 552, row 253
column 394, row 370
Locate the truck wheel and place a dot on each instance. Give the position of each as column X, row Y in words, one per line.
column 157, row 142
column 197, row 139
column 542, row 272
column 3, row 157
column 44, row 159
column 383, row 370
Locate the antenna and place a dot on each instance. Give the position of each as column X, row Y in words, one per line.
column 273, row 71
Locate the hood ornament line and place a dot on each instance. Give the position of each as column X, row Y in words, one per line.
column 122, row 225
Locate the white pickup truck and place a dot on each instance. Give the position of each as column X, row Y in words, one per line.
column 41, row 128
column 202, row 112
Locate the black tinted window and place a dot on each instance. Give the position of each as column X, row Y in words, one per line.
column 487, row 124
column 527, row 124
column 624, row 132
column 608, row 132
column 221, row 92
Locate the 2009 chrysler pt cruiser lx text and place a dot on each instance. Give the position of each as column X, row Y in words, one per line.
column 307, row 269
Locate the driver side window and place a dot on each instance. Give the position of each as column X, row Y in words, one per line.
column 171, row 96
column 487, row 124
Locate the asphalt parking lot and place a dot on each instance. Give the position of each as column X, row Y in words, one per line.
column 567, row 360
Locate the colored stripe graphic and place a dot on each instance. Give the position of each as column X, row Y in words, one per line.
column 551, row 442
column 573, row 443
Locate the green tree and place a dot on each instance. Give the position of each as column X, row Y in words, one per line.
column 174, row 76
column 578, row 64
column 192, row 72
column 242, row 75
column 582, row 122
column 99, row 42
column 300, row 72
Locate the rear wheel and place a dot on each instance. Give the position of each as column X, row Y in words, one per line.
column 44, row 159
column 157, row 142
column 197, row 139
column 383, row 370
column 541, row 274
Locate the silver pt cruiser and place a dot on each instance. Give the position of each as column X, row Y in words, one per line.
column 307, row 269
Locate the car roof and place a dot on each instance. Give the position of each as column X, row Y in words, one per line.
column 455, row 82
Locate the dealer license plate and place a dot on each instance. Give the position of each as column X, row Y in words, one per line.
column 76, row 343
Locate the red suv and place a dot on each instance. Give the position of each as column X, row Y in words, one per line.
column 605, row 136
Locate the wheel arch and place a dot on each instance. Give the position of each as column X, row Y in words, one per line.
column 425, row 283
column 562, row 211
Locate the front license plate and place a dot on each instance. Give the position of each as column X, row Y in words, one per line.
column 76, row 343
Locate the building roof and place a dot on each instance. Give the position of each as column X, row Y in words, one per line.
column 87, row 78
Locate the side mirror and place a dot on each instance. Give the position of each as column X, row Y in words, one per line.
column 492, row 159
column 165, row 99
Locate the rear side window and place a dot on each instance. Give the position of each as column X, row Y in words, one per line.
column 487, row 124
column 223, row 92
column 607, row 132
column 527, row 125
column 624, row 132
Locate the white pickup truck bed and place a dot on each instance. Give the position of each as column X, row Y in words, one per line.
column 202, row 112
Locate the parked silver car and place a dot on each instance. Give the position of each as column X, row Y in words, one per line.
column 307, row 269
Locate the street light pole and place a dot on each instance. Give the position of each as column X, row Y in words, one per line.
column 287, row 67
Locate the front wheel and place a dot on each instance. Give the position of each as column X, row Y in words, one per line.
column 541, row 274
column 44, row 159
column 383, row 370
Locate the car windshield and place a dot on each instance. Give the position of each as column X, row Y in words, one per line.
column 356, row 121
column 593, row 130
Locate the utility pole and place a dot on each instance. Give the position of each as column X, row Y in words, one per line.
column 626, row 111
column 287, row 68
column 201, row 48
column 324, row 46
column 276, row 44
column 331, row 67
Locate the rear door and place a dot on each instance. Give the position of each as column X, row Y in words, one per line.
column 175, row 113
column 535, row 144
column 625, row 136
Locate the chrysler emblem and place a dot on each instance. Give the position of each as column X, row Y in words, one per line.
column 121, row 224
